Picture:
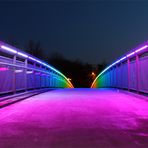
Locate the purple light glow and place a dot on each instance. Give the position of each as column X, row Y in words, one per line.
column 3, row 69
column 142, row 48
column 8, row 49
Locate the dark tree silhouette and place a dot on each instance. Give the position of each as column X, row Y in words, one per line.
column 35, row 49
column 78, row 72
column 101, row 66
column 81, row 74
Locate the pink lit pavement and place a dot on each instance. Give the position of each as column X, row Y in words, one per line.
column 76, row 118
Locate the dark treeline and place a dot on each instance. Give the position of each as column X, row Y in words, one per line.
column 81, row 74
column 77, row 71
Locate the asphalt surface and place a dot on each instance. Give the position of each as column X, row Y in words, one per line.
column 76, row 118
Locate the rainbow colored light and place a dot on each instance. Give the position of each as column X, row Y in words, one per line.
column 18, row 52
column 137, row 51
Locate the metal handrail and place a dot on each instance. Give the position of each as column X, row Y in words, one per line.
column 43, row 68
column 134, row 53
column 17, row 52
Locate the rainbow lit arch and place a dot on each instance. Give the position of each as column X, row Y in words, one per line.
column 6, row 48
column 122, row 68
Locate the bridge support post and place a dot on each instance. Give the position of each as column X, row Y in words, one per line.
column 40, row 77
column 14, row 76
column 137, row 72
column 121, row 76
column 34, row 72
column 116, row 76
column 128, row 70
column 25, row 74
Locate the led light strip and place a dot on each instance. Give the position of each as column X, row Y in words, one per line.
column 123, row 58
column 22, row 54
column 26, row 56
column 130, row 54
column 142, row 48
column 32, row 59
column 8, row 49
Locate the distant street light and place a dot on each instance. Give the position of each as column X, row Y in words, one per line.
column 93, row 75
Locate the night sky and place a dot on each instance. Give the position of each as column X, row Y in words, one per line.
column 90, row 31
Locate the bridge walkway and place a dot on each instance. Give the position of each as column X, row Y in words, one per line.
column 76, row 118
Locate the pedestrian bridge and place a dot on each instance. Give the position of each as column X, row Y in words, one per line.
column 112, row 114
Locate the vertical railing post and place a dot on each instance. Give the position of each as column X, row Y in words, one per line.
column 34, row 72
column 14, row 76
column 128, row 71
column 50, row 78
column 57, row 79
column 116, row 76
column 121, row 73
column 40, row 76
column 53, row 80
column 137, row 72
column 113, row 84
column 45, row 78
column 110, row 78
column 25, row 73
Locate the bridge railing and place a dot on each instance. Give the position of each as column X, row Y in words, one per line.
column 128, row 72
column 20, row 71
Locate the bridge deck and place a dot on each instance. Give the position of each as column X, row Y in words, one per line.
column 75, row 118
